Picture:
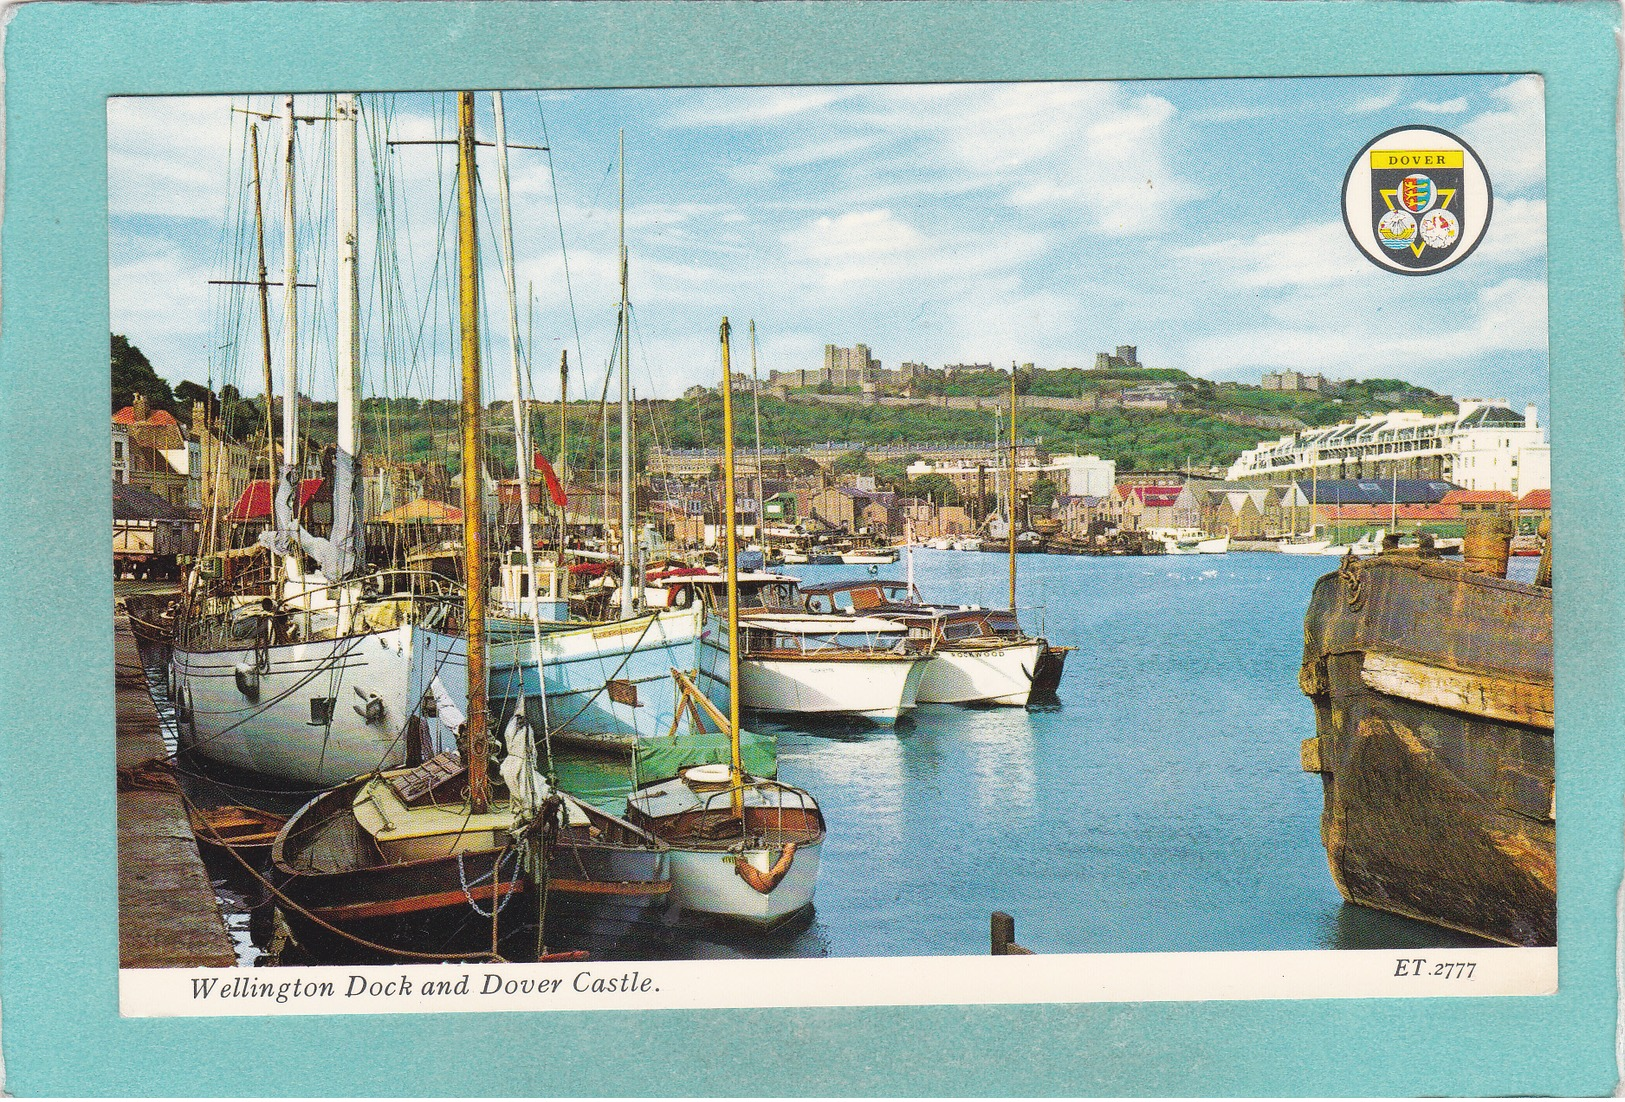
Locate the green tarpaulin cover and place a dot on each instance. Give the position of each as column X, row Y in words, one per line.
column 661, row 758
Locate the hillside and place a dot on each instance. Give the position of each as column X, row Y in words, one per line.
column 1211, row 426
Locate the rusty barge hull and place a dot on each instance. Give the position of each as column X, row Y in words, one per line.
column 1432, row 689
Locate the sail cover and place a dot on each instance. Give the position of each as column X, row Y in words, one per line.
column 339, row 556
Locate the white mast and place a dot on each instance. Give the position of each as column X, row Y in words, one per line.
column 521, row 425
column 627, row 550
column 349, row 350
column 290, row 282
column 756, row 405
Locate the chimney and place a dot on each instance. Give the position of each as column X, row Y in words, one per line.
column 200, row 417
column 1529, row 421
column 141, row 409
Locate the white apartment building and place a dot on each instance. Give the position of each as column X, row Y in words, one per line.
column 1484, row 445
column 1087, row 475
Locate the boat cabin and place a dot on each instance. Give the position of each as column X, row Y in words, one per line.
column 943, row 624
column 680, row 587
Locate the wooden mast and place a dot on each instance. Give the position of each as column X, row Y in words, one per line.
column 479, row 791
column 736, row 774
column 265, row 314
column 561, row 576
column 1011, row 514
column 627, row 549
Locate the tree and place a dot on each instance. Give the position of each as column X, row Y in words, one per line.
column 854, row 462
column 133, row 374
column 939, row 488
column 187, row 392
column 1043, row 495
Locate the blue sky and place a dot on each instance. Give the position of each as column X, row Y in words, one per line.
column 1199, row 220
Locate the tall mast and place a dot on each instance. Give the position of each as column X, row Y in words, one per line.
column 349, row 344
column 626, row 414
column 290, row 314
column 756, row 406
column 561, row 575
column 265, row 313
column 1012, row 512
column 473, row 551
column 736, row 779
column 523, row 466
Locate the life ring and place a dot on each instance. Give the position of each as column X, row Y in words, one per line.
column 680, row 597
column 765, row 882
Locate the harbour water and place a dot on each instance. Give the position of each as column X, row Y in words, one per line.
column 1158, row 806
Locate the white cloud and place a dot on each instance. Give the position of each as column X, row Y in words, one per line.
column 1379, row 102
column 1372, row 329
column 1445, row 107
column 1517, row 233
column 879, row 247
column 154, row 165
column 771, row 105
column 1511, row 140
column 1305, row 256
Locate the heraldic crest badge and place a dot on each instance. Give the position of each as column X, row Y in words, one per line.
column 1417, row 200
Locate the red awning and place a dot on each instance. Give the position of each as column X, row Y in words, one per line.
column 255, row 504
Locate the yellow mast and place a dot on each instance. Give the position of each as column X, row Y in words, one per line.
column 479, row 794
column 736, row 777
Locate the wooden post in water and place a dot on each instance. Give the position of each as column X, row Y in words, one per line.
column 1004, row 937
column 479, row 792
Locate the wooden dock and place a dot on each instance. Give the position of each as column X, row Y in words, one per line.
column 168, row 915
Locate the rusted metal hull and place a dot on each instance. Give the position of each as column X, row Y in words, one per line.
column 1432, row 689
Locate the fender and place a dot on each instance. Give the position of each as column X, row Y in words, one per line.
column 765, row 882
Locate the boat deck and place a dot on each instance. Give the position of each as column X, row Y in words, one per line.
column 168, row 915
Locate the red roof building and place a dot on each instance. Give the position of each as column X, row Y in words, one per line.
column 1381, row 514
column 1152, row 497
column 1535, row 499
column 1478, row 497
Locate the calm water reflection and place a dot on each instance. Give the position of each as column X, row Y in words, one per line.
column 1159, row 807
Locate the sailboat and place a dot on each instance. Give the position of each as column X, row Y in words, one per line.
column 406, row 862
column 594, row 680
column 1051, row 662
column 277, row 669
column 743, row 847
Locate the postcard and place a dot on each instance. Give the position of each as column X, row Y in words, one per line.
column 1029, row 543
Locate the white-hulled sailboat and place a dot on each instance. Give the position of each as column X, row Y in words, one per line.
column 278, row 669
column 743, row 848
column 398, row 862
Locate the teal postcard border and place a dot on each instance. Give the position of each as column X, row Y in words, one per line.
column 58, row 944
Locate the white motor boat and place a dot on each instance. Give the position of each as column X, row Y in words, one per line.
column 978, row 655
column 790, row 660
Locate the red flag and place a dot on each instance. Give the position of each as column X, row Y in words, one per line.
column 554, row 490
